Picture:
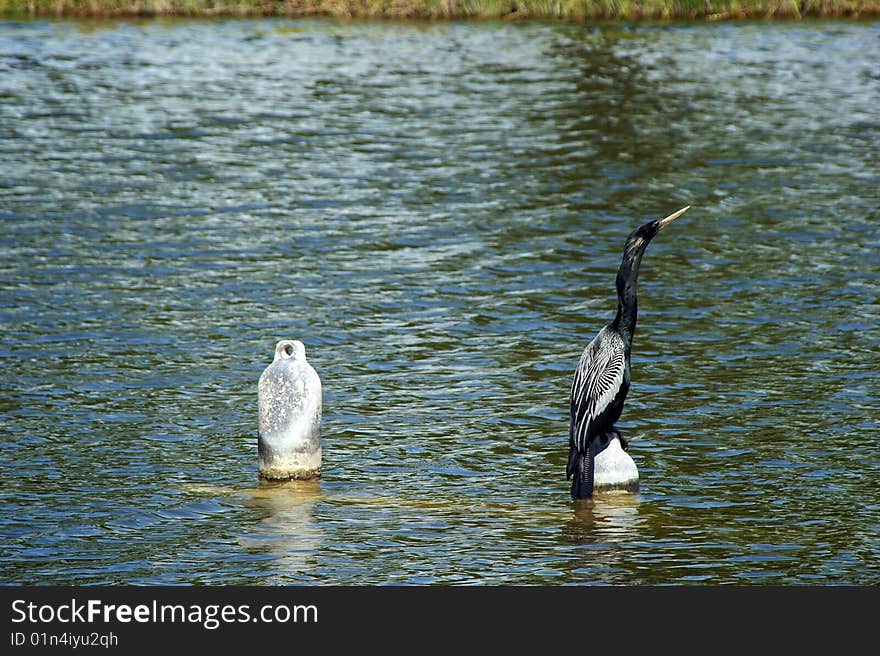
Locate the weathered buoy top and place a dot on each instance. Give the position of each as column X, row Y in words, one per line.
column 290, row 402
column 614, row 469
column 289, row 348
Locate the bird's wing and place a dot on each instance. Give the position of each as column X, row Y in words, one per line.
column 597, row 379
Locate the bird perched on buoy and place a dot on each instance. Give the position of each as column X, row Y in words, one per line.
column 602, row 378
column 289, row 398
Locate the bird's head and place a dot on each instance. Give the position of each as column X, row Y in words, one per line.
column 639, row 238
column 289, row 348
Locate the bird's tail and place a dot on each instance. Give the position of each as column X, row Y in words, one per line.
column 582, row 485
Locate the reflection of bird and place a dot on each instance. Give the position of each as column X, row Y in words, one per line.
column 601, row 379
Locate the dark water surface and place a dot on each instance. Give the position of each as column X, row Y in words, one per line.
column 437, row 211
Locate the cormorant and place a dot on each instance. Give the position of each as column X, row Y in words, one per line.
column 601, row 380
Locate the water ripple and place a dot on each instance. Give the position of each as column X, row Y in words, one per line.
column 437, row 211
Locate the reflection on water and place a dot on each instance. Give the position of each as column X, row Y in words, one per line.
column 437, row 212
column 288, row 531
column 596, row 529
column 609, row 517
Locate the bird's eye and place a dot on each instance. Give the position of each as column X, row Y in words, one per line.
column 288, row 349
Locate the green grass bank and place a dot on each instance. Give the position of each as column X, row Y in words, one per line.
column 575, row 10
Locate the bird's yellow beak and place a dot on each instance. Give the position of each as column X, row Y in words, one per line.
column 672, row 217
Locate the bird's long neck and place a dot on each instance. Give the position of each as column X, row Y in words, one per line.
column 627, row 290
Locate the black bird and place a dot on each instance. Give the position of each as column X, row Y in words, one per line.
column 601, row 380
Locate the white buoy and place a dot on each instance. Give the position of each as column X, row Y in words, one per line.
column 614, row 469
column 290, row 398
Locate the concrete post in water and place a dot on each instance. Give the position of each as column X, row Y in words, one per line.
column 289, row 398
column 614, row 469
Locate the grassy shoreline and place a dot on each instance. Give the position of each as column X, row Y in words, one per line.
column 573, row 10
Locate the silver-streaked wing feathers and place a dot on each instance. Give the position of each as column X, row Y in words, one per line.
column 597, row 379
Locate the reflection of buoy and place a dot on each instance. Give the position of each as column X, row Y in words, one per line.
column 614, row 469
column 288, row 531
column 289, row 399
